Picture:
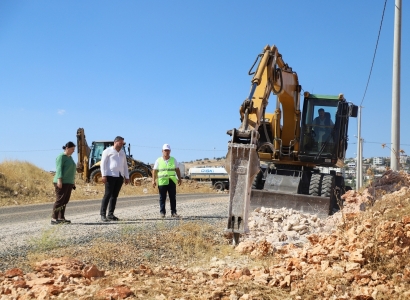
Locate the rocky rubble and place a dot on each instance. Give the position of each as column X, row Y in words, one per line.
column 65, row 278
column 282, row 226
column 341, row 263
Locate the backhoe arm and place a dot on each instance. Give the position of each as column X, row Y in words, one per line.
column 272, row 75
column 83, row 154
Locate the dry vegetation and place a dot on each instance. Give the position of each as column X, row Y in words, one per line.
column 23, row 183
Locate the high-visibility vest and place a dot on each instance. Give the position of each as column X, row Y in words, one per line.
column 166, row 171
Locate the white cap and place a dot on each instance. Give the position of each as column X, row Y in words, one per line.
column 166, row 147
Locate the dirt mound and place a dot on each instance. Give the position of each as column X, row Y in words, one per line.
column 365, row 257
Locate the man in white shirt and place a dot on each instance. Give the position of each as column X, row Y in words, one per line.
column 114, row 169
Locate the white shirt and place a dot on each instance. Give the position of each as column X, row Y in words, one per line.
column 113, row 163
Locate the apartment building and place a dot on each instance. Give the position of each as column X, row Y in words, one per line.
column 377, row 161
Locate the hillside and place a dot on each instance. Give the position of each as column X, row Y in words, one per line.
column 205, row 163
column 24, row 183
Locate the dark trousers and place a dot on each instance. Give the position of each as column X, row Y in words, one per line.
column 62, row 198
column 112, row 189
column 171, row 189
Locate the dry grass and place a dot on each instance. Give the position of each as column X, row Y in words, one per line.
column 23, row 183
column 188, row 244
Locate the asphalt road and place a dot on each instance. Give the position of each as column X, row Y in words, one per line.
column 37, row 212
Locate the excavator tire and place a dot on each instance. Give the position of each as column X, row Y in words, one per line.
column 258, row 183
column 327, row 186
column 96, row 176
column 137, row 173
column 314, row 188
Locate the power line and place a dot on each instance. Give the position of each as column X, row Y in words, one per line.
column 30, row 150
column 183, row 149
column 186, row 149
column 138, row 146
column 374, row 55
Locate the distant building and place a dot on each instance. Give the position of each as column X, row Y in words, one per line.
column 378, row 161
column 351, row 165
column 350, row 172
column 403, row 159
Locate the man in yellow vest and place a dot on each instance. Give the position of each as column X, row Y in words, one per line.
column 166, row 172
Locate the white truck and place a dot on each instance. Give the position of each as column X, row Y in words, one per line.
column 217, row 175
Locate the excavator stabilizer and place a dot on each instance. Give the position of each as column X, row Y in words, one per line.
column 243, row 165
column 302, row 203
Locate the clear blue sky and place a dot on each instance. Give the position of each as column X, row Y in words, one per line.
column 176, row 72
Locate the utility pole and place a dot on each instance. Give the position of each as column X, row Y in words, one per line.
column 395, row 120
column 359, row 151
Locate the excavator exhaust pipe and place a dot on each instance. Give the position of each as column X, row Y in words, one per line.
column 242, row 166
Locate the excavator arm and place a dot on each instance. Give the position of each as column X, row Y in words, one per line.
column 272, row 76
column 83, row 155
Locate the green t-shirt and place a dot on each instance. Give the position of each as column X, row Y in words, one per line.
column 65, row 169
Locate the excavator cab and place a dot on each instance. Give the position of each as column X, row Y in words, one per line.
column 324, row 129
column 97, row 149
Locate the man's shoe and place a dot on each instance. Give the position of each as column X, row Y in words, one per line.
column 162, row 215
column 113, row 218
column 64, row 221
column 54, row 222
column 175, row 215
column 104, row 219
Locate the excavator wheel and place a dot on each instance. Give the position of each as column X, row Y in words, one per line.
column 137, row 173
column 96, row 176
column 314, row 188
column 327, row 186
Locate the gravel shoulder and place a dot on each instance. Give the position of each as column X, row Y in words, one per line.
column 17, row 239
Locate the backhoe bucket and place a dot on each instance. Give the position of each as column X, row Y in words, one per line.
column 298, row 202
column 242, row 166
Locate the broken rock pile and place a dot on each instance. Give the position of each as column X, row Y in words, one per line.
column 365, row 256
column 282, row 226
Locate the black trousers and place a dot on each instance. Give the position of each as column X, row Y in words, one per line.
column 171, row 189
column 112, row 189
column 62, row 198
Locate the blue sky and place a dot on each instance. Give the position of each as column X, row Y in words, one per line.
column 176, row 71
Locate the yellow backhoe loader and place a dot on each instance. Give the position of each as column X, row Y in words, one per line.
column 89, row 160
column 291, row 143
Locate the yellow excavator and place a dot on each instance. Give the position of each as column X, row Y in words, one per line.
column 291, row 143
column 89, row 160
